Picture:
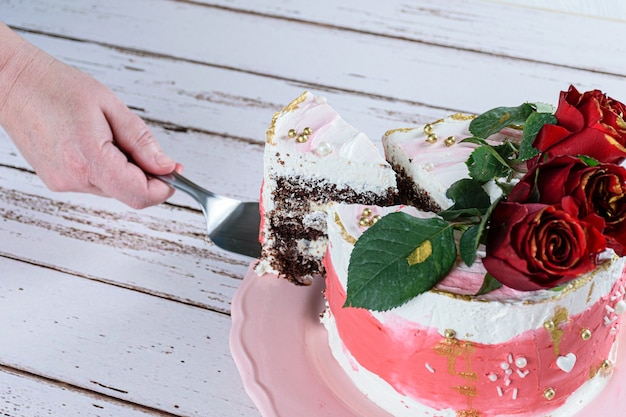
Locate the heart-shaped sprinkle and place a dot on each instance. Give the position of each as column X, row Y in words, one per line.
column 566, row 363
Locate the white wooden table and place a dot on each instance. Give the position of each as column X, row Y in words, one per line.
column 107, row 311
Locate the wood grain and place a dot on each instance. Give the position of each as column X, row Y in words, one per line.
column 108, row 311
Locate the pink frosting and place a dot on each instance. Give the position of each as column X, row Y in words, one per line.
column 483, row 379
column 262, row 213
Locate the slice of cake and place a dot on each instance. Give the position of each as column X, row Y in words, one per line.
column 433, row 156
column 313, row 157
column 448, row 353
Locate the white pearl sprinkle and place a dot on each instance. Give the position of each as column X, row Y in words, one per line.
column 428, row 166
column 324, row 149
column 504, row 365
column 492, row 377
column 620, row 307
column 508, row 371
column 521, row 362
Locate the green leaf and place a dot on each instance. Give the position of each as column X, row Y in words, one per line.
column 592, row 162
column 470, row 200
column 533, row 125
column 485, row 163
column 468, row 244
column 397, row 259
column 451, row 214
column 475, row 140
column 497, row 119
column 489, row 284
column 472, row 237
column 543, row 107
column 468, row 194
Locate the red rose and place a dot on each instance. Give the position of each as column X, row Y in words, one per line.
column 538, row 246
column 599, row 192
column 545, row 183
column 590, row 124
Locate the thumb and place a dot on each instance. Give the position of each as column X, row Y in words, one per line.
column 134, row 138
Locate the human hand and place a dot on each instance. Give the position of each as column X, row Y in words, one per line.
column 75, row 133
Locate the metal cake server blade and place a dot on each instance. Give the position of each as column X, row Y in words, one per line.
column 232, row 225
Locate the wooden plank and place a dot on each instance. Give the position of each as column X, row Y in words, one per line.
column 161, row 251
column 122, row 343
column 24, row 395
column 605, row 9
column 299, row 52
column 225, row 102
column 520, row 29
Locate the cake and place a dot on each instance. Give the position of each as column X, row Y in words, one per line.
column 448, row 353
column 494, row 287
column 313, row 157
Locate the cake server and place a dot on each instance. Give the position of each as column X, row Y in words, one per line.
column 232, row 225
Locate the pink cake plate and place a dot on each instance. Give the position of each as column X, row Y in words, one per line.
column 281, row 352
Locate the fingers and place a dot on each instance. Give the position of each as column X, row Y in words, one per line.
column 115, row 176
column 127, row 180
column 134, row 138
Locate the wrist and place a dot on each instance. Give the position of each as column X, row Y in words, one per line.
column 16, row 56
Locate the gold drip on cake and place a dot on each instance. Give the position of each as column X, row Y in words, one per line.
column 552, row 326
column 455, row 350
column 469, row 413
column 462, row 116
column 344, row 232
column 271, row 131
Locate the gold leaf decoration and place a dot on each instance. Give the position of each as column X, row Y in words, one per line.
column 421, row 253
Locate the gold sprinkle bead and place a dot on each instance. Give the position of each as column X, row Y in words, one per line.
column 307, row 131
column 302, row 138
column 292, row 133
column 431, row 138
column 364, row 221
column 585, row 334
column 548, row 325
column 549, row 393
column 449, row 334
column 606, row 366
column 450, row 140
column 375, row 219
column 366, row 212
column 428, row 129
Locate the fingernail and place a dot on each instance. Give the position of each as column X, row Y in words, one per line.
column 162, row 159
